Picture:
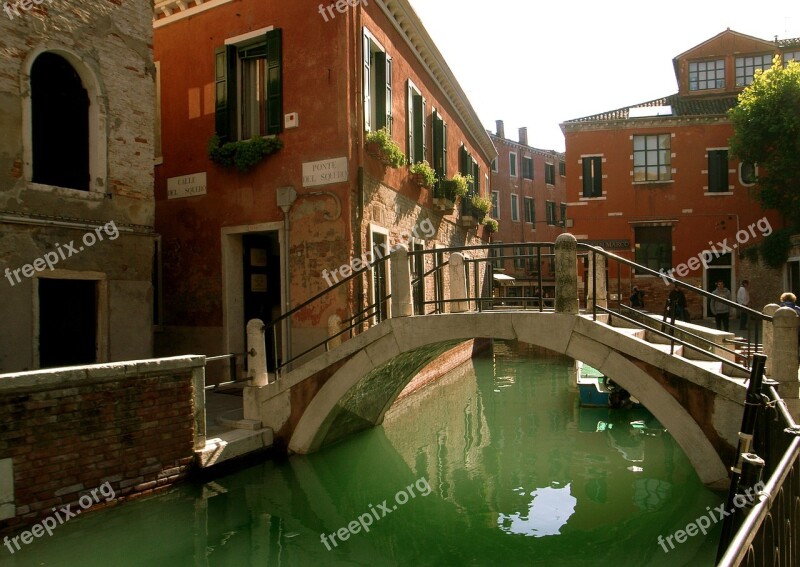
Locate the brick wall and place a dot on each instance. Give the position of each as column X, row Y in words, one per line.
column 69, row 431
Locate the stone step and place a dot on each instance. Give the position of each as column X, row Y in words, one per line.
column 231, row 444
column 709, row 365
column 677, row 351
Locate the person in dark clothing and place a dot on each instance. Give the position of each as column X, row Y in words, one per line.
column 721, row 311
column 637, row 298
column 789, row 299
column 677, row 301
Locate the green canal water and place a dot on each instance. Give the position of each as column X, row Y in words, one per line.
column 504, row 467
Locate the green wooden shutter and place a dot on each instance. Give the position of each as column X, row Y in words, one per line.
column 225, row 92
column 476, row 173
column 388, row 101
column 379, row 67
column 367, row 52
column 597, row 179
column 410, row 124
column 419, row 127
column 444, row 149
column 274, row 82
column 438, row 136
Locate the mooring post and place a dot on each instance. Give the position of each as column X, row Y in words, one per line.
column 784, row 357
column 402, row 305
column 458, row 284
column 257, row 352
column 567, row 274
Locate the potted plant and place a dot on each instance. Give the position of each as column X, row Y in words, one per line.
column 380, row 145
column 474, row 210
column 491, row 225
column 243, row 154
column 423, row 174
column 448, row 191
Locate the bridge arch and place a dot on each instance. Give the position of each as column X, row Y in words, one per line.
column 356, row 391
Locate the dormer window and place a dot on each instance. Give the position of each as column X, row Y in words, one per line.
column 746, row 67
column 706, row 75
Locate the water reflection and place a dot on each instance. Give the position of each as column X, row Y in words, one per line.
column 548, row 512
column 517, row 471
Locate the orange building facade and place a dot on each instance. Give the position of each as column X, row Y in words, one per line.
column 238, row 245
column 528, row 188
column 656, row 183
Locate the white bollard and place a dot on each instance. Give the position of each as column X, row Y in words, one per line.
column 257, row 353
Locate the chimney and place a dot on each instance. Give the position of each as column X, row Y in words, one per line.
column 523, row 136
column 501, row 129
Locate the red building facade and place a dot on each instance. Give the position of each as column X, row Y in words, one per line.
column 529, row 202
column 251, row 244
column 655, row 182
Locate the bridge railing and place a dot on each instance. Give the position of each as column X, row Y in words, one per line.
column 765, row 532
column 597, row 299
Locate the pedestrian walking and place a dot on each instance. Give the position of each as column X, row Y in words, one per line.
column 720, row 310
column 637, row 298
column 677, row 301
column 743, row 298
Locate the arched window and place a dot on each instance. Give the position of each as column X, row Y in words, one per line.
column 60, row 124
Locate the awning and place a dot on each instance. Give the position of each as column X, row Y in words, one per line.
column 503, row 278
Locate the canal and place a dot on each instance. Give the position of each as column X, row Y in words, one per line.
column 494, row 464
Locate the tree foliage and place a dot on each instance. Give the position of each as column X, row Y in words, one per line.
column 766, row 125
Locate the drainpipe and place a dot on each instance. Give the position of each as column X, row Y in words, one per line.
column 286, row 196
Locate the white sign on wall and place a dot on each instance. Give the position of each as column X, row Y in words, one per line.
column 186, row 186
column 324, row 172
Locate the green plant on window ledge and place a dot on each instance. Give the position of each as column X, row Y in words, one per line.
column 245, row 154
column 480, row 205
column 380, row 144
column 426, row 176
column 456, row 186
column 491, row 225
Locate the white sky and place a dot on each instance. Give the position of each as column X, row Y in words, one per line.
column 537, row 64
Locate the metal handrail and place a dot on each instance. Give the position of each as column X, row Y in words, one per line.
column 682, row 342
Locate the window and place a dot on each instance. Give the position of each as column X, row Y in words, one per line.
column 519, row 257
column 705, row 75
column 512, row 164
column 654, row 247
column 791, row 56
column 748, row 173
column 551, row 213
column 157, row 153
column 592, row 176
column 562, row 169
column 377, row 85
column 527, row 167
column 550, row 173
column 249, row 91
column 495, row 253
column 494, row 165
column 439, row 147
column 746, row 68
column 417, row 150
column 651, row 158
column 495, row 204
column 59, row 124
column 718, row 171
column 530, row 211
column 563, row 221
column 514, row 208
column 468, row 166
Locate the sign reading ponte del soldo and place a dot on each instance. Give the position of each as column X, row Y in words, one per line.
column 324, row 172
